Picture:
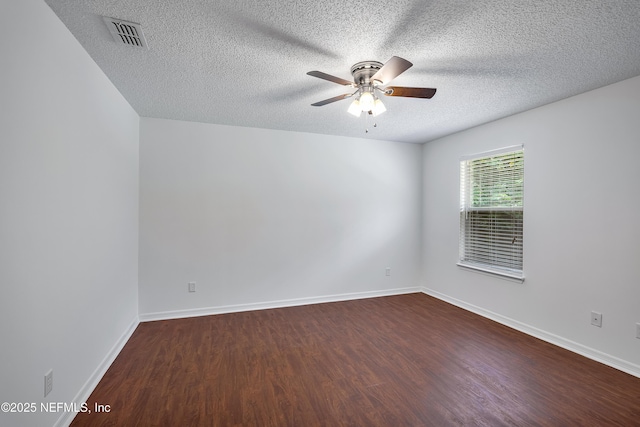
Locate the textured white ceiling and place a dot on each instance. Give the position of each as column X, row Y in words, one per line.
column 244, row 63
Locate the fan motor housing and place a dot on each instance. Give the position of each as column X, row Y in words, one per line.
column 362, row 71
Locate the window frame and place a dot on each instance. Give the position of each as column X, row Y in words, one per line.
column 466, row 258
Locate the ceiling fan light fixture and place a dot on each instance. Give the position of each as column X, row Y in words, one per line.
column 366, row 101
column 378, row 107
column 355, row 108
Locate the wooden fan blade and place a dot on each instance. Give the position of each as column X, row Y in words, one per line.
column 391, row 69
column 325, row 76
column 409, row 92
column 330, row 100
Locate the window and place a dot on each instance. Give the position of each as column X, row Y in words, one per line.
column 492, row 211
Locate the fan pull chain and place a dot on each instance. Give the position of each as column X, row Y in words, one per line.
column 366, row 125
column 366, row 122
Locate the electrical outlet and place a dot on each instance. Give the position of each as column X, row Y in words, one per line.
column 596, row 319
column 48, row 382
column 387, row 271
column 637, row 330
column 192, row 286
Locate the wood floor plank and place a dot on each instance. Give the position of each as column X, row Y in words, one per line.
column 406, row 360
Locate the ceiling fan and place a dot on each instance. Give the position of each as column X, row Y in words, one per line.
column 369, row 77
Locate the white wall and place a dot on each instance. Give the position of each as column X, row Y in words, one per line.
column 581, row 235
column 256, row 217
column 68, row 213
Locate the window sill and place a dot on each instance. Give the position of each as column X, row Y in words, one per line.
column 511, row 275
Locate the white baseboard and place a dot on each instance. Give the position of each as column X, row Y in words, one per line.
column 598, row 356
column 207, row 311
column 83, row 395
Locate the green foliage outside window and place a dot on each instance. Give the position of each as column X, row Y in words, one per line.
column 497, row 181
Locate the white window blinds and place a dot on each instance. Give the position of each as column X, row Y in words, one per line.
column 492, row 211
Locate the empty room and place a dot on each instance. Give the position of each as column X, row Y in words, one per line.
column 296, row 213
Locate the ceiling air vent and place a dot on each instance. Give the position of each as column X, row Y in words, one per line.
column 128, row 33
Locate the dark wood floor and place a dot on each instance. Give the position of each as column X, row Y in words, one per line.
column 407, row 360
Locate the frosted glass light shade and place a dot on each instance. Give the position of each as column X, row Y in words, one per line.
column 366, row 101
column 378, row 107
column 354, row 108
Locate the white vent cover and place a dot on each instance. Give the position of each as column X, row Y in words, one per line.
column 127, row 33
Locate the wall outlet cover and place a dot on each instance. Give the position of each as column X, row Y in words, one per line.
column 48, row 382
column 596, row 319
